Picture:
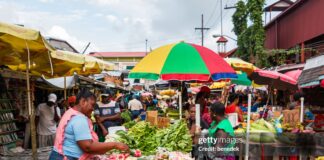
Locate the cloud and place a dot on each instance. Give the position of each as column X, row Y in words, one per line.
column 105, row 2
column 46, row 1
column 111, row 18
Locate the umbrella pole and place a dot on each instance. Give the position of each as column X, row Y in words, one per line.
column 180, row 101
column 301, row 110
column 248, row 128
column 30, row 109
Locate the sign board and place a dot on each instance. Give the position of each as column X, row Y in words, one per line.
column 291, row 117
column 233, row 118
column 152, row 117
column 163, row 122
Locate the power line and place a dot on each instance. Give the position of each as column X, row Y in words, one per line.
column 213, row 12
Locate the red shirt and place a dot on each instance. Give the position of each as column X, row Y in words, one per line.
column 232, row 109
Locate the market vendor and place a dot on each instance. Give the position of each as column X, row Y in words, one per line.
column 75, row 138
column 221, row 128
column 234, row 107
column 193, row 128
column 107, row 113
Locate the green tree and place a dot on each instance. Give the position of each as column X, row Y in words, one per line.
column 239, row 19
column 250, row 39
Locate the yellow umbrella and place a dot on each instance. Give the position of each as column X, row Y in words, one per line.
column 17, row 42
column 217, row 85
column 240, row 65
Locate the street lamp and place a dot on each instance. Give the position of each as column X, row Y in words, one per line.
column 218, row 35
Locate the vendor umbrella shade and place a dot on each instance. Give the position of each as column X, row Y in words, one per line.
column 184, row 62
column 274, row 79
column 240, row 65
column 242, row 79
column 294, row 74
column 66, row 63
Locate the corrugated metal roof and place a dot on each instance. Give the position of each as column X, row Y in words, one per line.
column 118, row 54
column 313, row 72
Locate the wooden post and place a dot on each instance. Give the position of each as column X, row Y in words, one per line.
column 64, row 87
column 30, row 107
column 180, row 101
column 302, row 54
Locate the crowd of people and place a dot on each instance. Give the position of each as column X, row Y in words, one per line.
column 64, row 127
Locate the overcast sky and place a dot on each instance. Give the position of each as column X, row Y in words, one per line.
column 122, row 25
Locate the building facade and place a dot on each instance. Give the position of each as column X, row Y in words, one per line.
column 123, row 60
column 299, row 26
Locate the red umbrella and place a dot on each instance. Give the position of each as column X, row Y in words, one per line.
column 274, row 79
column 294, row 74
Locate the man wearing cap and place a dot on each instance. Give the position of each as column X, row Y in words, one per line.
column 47, row 115
column 107, row 113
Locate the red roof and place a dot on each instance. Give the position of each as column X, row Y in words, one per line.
column 229, row 53
column 280, row 5
column 222, row 40
column 118, row 54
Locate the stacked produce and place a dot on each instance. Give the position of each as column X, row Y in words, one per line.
column 148, row 138
column 140, row 136
column 261, row 131
column 168, row 92
column 173, row 114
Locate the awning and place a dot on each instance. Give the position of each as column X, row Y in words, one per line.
column 59, row 82
column 313, row 72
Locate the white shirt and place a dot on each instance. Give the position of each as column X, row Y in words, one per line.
column 135, row 105
column 46, row 125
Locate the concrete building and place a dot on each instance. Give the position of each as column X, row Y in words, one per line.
column 124, row 60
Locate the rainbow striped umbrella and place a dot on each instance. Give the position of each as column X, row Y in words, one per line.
column 184, row 62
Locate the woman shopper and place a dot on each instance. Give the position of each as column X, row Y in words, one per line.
column 75, row 138
column 221, row 130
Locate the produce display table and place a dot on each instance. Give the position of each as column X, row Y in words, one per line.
column 261, row 151
column 42, row 154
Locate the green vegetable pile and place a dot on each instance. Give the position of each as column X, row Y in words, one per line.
column 140, row 136
column 175, row 138
column 129, row 124
column 126, row 116
column 148, row 138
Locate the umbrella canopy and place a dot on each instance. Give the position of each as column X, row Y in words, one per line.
column 242, row 79
column 240, row 65
column 274, row 79
column 294, row 74
column 66, row 63
column 17, row 41
column 217, row 85
column 183, row 61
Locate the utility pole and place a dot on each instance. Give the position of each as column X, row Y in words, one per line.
column 145, row 46
column 202, row 28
